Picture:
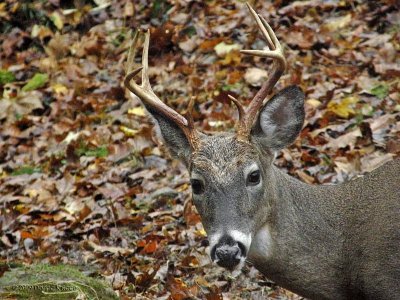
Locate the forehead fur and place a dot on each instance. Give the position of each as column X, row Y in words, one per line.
column 222, row 153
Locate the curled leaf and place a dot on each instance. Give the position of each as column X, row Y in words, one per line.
column 37, row 81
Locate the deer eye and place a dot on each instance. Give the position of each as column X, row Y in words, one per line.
column 253, row 178
column 197, row 186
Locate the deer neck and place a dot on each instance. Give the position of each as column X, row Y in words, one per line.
column 300, row 245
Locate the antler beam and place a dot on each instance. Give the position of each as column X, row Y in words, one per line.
column 279, row 65
column 146, row 94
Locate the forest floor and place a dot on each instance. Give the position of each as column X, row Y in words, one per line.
column 83, row 178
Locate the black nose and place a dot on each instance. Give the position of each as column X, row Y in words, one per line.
column 228, row 256
column 227, row 253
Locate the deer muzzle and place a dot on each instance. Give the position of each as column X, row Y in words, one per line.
column 228, row 253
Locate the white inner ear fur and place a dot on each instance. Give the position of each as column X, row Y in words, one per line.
column 268, row 127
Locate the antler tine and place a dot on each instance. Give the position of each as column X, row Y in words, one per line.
column 146, row 94
column 145, row 62
column 188, row 114
column 239, row 107
column 264, row 32
column 279, row 66
column 132, row 52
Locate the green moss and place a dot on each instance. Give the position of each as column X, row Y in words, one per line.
column 99, row 152
column 380, row 91
column 52, row 282
column 6, row 76
column 26, row 170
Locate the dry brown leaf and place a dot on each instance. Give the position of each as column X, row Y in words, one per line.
column 346, row 140
column 375, row 160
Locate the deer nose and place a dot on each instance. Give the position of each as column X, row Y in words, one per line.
column 228, row 256
column 228, row 253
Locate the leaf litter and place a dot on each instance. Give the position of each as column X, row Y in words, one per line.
column 83, row 178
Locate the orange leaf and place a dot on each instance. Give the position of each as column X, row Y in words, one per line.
column 208, row 45
column 26, row 234
column 151, row 247
column 190, row 214
column 141, row 243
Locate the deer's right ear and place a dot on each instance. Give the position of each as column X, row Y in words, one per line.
column 173, row 136
column 281, row 119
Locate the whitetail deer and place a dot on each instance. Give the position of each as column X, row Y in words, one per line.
column 322, row 242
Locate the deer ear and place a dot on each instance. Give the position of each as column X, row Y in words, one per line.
column 174, row 138
column 281, row 119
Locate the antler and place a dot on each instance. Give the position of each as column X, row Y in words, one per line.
column 246, row 119
column 146, row 94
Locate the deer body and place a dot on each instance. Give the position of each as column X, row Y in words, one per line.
column 333, row 241
column 323, row 242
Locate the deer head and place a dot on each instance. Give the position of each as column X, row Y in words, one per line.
column 230, row 173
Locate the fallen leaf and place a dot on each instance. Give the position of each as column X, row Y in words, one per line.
column 314, row 102
column 255, row 76
column 150, row 247
column 59, row 89
column 380, row 91
column 57, row 20
column 137, row 111
column 344, row 108
column 189, row 45
column 349, row 139
column 128, row 131
column 37, row 81
column 301, row 37
column 375, row 160
column 104, row 249
column 13, row 108
column 222, row 49
column 334, row 24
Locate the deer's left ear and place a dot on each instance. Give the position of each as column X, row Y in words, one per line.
column 281, row 119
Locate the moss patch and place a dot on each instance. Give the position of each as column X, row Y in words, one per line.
column 52, row 282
